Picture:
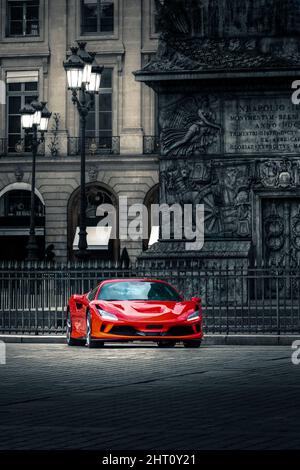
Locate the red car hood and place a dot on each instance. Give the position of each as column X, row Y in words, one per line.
column 147, row 310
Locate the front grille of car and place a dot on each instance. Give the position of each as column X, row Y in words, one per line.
column 150, row 333
column 154, row 327
column 131, row 331
column 180, row 331
column 123, row 331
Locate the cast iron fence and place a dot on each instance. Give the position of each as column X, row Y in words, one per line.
column 33, row 297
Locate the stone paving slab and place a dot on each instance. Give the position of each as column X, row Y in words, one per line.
column 141, row 397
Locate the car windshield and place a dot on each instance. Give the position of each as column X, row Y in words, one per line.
column 138, row 290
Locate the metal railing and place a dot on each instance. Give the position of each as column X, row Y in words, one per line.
column 20, row 148
column 151, row 144
column 33, row 297
column 95, row 146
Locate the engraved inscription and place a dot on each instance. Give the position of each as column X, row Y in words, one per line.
column 270, row 125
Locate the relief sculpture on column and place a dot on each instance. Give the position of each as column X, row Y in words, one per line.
column 190, row 127
column 223, row 189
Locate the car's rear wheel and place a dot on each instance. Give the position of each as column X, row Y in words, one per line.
column 71, row 341
column 166, row 344
column 192, row 343
column 89, row 342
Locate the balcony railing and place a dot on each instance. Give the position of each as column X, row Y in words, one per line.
column 99, row 146
column 151, row 144
column 20, row 149
column 95, row 146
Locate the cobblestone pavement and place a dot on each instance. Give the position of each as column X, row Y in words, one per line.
column 140, row 397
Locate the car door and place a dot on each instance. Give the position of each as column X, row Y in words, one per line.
column 80, row 304
column 89, row 297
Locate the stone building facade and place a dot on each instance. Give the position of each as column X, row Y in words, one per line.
column 219, row 98
column 35, row 36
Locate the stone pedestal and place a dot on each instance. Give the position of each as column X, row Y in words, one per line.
column 229, row 139
column 217, row 272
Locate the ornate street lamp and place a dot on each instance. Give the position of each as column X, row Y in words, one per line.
column 34, row 118
column 45, row 117
column 27, row 114
column 84, row 78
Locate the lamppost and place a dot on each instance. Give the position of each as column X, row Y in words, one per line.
column 34, row 118
column 84, row 77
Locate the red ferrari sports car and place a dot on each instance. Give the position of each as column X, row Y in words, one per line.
column 134, row 309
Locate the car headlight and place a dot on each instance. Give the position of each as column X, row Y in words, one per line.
column 106, row 315
column 194, row 316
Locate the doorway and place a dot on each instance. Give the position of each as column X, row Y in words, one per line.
column 96, row 194
column 15, row 208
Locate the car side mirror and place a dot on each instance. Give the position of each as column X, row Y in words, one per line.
column 197, row 300
column 80, row 297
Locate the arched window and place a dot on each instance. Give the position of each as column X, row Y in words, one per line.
column 15, row 208
column 17, row 203
column 96, row 194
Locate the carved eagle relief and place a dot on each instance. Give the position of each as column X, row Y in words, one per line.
column 189, row 126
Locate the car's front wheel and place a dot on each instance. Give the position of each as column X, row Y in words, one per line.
column 71, row 341
column 91, row 343
column 192, row 343
column 166, row 344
